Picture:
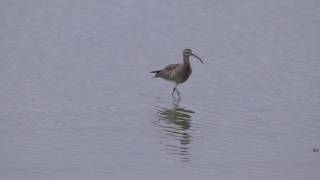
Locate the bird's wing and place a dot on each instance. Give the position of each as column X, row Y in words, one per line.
column 170, row 71
column 171, row 67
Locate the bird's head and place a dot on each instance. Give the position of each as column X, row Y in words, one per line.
column 188, row 52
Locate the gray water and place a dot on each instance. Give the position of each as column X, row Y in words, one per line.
column 77, row 100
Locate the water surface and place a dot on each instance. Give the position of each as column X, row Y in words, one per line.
column 77, row 100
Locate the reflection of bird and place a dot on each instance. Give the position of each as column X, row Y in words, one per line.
column 178, row 116
column 177, row 73
column 176, row 122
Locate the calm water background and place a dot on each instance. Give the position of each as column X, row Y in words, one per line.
column 77, row 100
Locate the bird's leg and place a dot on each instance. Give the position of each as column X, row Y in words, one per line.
column 178, row 92
column 176, row 101
column 174, row 89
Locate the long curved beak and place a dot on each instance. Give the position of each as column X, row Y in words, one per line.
column 197, row 57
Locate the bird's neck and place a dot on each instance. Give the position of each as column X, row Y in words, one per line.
column 186, row 61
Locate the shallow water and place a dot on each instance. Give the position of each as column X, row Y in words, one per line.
column 77, row 100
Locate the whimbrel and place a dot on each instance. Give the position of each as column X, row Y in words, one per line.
column 177, row 73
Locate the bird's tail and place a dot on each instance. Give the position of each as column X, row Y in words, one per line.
column 156, row 73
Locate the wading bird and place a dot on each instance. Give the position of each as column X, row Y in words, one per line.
column 177, row 73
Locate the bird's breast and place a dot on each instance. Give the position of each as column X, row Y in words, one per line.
column 183, row 74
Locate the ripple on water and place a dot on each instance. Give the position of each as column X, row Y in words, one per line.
column 175, row 128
